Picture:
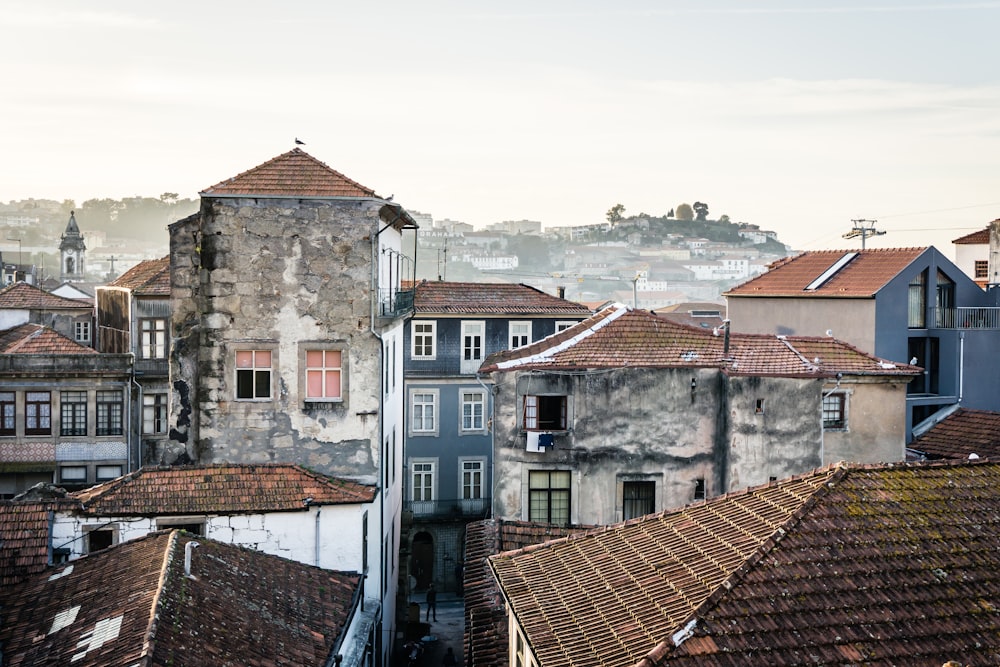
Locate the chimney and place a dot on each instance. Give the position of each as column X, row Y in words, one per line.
column 188, row 548
column 562, row 292
column 994, row 257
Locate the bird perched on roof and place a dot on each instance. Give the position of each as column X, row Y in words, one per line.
column 299, row 142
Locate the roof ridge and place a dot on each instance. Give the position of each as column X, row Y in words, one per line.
column 148, row 648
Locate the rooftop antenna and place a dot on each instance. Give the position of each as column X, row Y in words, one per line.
column 864, row 229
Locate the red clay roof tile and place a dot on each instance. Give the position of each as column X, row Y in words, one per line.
column 622, row 337
column 23, row 296
column 133, row 604
column 36, row 339
column 221, row 488
column 960, row 434
column 863, row 276
column 150, row 277
column 982, row 237
column 881, row 564
column 291, row 174
column 446, row 298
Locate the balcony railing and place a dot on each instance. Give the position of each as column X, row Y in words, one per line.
column 394, row 302
column 966, row 318
column 472, row 508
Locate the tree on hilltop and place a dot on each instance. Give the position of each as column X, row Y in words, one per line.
column 700, row 211
column 685, row 212
column 615, row 214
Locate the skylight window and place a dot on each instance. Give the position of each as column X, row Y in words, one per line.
column 831, row 272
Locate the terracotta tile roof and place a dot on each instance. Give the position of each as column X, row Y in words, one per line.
column 24, row 539
column 220, row 488
column 486, row 632
column 960, row 434
column 982, row 237
column 291, row 174
column 150, row 277
column 887, row 566
column 23, row 296
column 863, row 276
column 36, row 339
column 619, row 337
column 446, row 298
column 132, row 604
column 875, row 565
column 610, row 595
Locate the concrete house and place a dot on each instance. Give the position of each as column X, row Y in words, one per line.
column 21, row 303
column 899, row 304
column 972, row 256
column 171, row 598
column 287, row 313
column 133, row 317
column 448, row 441
column 847, row 565
column 63, row 410
column 627, row 413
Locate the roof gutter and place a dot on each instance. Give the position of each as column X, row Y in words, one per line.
column 336, row 656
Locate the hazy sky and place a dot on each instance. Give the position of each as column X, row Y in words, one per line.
column 798, row 116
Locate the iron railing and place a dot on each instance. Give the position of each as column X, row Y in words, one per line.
column 966, row 318
column 395, row 302
column 472, row 508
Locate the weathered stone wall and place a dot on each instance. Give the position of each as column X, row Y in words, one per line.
column 782, row 439
column 624, row 421
column 876, row 423
column 274, row 274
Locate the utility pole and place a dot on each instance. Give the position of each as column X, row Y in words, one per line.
column 864, row 229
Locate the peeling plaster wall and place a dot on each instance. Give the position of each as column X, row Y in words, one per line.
column 876, row 424
column 623, row 421
column 274, row 274
column 783, row 439
column 650, row 424
column 291, row 535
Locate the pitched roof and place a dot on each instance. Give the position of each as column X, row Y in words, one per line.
column 450, row 298
column 132, row 604
column 982, row 237
column 149, row 277
column 24, row 539
column 863, row 275
column 291, row 174
column 486, row 632
column 960, row 434
column 220, row 488
column 619, row 337
column 23, row 296
column 36, row 339
column 857, row 565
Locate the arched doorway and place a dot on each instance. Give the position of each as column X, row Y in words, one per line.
column 422, row 560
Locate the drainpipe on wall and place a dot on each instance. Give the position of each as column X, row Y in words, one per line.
column 822, row 429
column 318, row 510
column 961, row 365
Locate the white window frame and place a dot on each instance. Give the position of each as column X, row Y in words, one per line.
column 434, row 403
column 256, row 366
column 562, row 325
column 472, row 494
column 81, row 332
column 843, row 397
column 324, row 369
column 471, row 398
column 472, row 355
column 105, row 472
column 518, row 334
column 153, row 338
column 415, row 336
column 422, row 502
column 531, row 412
column 154, row 411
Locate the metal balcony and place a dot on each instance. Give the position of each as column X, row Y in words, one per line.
column 472, row 508
column 966, row 318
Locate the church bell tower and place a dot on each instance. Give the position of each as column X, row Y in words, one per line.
column 72, row 253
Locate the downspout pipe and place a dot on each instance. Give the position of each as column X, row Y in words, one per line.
column 822, row 429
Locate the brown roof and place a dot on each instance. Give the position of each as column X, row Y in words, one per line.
column 863, row 276
column 982, row 237
column 960, row 434
column 449, row 298
column 291, row 174
column 705, row 315
column 485, row 616
column 220, row 488
column 619, row 337
column 150, row 277
column 886, row 565
column 616, row 592
column 36, row 339
column 23, row 296
column 132, row 604
column 24, row 539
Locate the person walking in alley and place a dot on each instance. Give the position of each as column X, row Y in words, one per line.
column 432, row 598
